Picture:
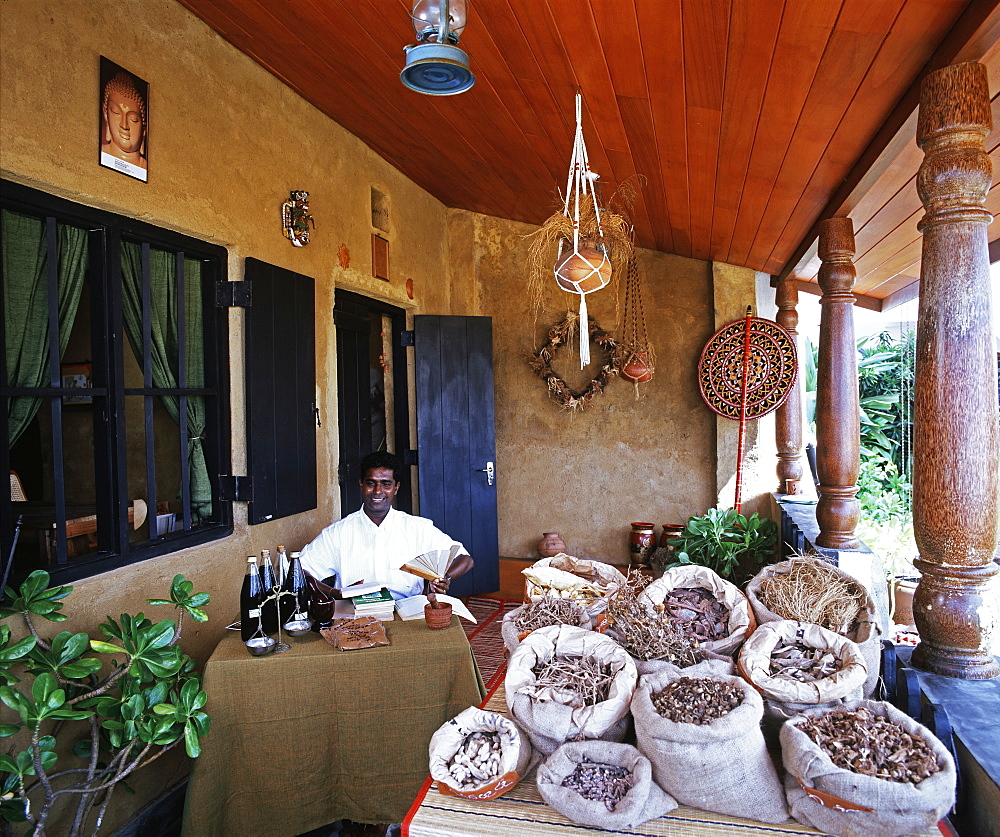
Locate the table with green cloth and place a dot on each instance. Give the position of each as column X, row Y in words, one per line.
column 312, row 735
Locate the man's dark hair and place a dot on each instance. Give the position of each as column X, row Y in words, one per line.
column 382, row 459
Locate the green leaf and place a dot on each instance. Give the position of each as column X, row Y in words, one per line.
column 191, row 743
column 159, row 601
column 7, row 730
column 104, row 647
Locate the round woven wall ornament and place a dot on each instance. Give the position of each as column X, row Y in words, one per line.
column 559, row 335
column 770, row 364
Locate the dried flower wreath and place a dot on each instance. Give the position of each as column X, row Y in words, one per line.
column 541, row 362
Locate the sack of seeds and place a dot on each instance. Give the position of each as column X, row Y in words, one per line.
column 564, row 683
column 702, row 735
column 586, row 582
column 808, row 589
column 596, row 783
column 540, row 613
column 479, row 755
column 868, row 772
column 711, row 609
column 798, row 666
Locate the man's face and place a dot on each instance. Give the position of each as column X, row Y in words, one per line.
column 378, row 488
column 124, row 121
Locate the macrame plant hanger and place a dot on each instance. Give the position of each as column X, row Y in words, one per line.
column 636, row 359
column 586, row 268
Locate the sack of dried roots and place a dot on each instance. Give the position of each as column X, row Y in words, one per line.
column 702, row 735
column 540, row 613
column 714, row 611
column 902, row 781
column 588, row 583
column 565, row 683
column 479, row 755
column 808, row 589
column 606, row 785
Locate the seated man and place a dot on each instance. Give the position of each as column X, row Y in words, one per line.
column 370, row 544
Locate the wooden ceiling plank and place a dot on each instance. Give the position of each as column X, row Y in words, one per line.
column 802, row 41
column 753, row 35
column 663, row 57
column 638, row 121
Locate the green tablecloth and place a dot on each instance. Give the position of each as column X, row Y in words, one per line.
column 313, row 735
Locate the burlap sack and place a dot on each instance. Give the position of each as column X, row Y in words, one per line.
column 644, row 801
column 840, row 802
column 866, row 631
column 722, row 766
column 609, row 577
column 741, row 622
column 714, row 663
column 784, row 697
column 549, row 719
column 512, row 636
column 515, row 754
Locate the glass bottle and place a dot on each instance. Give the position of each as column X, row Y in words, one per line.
column 269, row 608
column 286, row 598
column 299, row 588
column 250, row 596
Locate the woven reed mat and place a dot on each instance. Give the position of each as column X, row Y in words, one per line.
column 523, row 812
column 485, row 639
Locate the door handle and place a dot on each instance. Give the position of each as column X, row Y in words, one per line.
column 489, row 471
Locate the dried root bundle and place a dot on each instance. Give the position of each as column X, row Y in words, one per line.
column 862, row 742
column 649, row 634
column 587, row 679
column 812, row 591
column 600, row 782
column 546, row 611
column 804, row 663
column 477, row 761
column 692, row 700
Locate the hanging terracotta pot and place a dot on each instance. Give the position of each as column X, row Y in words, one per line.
column 641, row 543
column 637, row 369
column 584, row 270
column 551, row 544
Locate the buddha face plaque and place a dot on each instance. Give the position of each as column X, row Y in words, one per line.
column 124, row 121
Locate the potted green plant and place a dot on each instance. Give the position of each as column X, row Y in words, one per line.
column 85, row 723
column 727, row 542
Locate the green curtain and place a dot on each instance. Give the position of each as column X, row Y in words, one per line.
column 163, row 311
column 26, row 305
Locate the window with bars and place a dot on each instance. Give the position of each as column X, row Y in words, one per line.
column 114, row 388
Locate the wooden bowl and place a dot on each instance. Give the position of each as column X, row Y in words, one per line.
column 437, row 618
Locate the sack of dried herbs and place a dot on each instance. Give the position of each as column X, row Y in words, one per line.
column 479, row 755
column 902, row 781
column 808, row 589
column 606, row 785
column 703, row 738
column 714, row 611
column 565, row 683
column 798, row 666
column 589, row 583
column 540, row 613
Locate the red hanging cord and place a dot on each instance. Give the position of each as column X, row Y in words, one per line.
column 743, row 410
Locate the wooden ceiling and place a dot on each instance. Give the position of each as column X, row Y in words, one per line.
column 750, row 120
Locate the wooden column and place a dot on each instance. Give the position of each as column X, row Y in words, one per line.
column 838, row 414
column 788, row 417
column 955, row 436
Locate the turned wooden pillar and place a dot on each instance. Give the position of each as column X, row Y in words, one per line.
column 838, row 413
column 788, row 417
column 955, row 437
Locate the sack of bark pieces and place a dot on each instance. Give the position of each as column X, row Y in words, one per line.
column 596, row 783
column 586, row 582
column 540, row 613
column 798, row 666
column 479, row 755
column 808, row 589
column 711, row 610
column 564, row 683
column 702, row 735
column 868, row 772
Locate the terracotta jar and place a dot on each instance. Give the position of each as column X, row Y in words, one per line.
column 437, row 617
column 670, row 530
column 636, row 368
column 584, row 270
column 551, row 544
column 641, row 543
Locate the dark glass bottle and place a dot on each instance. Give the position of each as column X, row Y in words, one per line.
column 286, row 598
column 299, row 587
column 269, row 608
column 250, row 597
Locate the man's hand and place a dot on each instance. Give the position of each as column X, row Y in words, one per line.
column 440, row 585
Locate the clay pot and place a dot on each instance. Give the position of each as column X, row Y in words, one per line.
column 584, row 270
column 641, row 543
column 437, row 617
column 901, row 592
column 550, row 544
column 670, row 530
column 636, row 368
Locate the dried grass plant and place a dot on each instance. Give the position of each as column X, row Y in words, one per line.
column 812, row 591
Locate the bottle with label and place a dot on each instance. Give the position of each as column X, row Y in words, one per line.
column 299, row 587
column 269, row 607
column 250, row 597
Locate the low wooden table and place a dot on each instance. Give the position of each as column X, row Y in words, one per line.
column 313, row 735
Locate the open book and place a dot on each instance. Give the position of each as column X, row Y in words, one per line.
column 432, row 565
column 413, row 607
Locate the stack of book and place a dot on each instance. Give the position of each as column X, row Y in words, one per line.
column 378, row 603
